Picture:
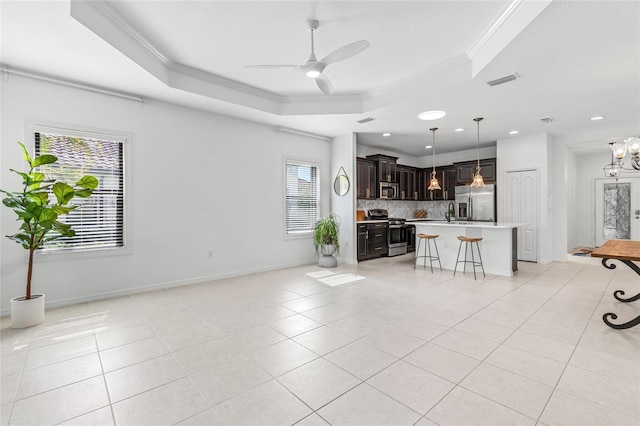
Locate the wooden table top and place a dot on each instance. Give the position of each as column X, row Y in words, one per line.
column 619, row 249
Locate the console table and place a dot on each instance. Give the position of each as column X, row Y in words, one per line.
column 627, row 252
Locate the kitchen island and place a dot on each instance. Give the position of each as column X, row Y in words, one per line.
column 498, row 246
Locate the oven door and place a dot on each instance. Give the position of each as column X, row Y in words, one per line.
column 397, row 238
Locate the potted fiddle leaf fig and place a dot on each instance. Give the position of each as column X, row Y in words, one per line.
column 38, row 206
column 325, row 240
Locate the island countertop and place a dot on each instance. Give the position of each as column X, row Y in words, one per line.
column 498, row 245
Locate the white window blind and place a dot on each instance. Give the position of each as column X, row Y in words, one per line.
column 99, row 221
column 302, row 197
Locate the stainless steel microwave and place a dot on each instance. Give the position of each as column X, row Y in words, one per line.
column 388, row 190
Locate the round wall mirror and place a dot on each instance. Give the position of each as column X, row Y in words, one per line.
column 341, row 184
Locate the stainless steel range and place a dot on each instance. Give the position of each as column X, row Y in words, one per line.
column 396, row 231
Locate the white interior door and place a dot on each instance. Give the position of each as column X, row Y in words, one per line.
column 617, row 209
column 522, row 207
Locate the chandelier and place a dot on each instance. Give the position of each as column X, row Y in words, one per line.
column 618, row 152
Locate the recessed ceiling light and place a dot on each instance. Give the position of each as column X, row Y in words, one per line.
column 597, row 117
column 459, row 129
column 431, row 115
column 428, row 147
column 514, row 132
column 386, row 135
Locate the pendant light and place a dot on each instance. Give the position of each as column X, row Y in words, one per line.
column 478, row 180
column 434, row 185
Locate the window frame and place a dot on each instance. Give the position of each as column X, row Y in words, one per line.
column 85, row 132
column 300, row 162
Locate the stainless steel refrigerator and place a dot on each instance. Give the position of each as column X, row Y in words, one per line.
column 476, row 203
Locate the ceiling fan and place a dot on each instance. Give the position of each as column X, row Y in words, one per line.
column 314, row 68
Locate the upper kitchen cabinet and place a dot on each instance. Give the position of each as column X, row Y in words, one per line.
column 366, row 185
column 446, row 179
column 407, row 178
column 386, row 165
column 466, row 170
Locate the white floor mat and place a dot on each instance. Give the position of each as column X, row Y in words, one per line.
column 319, row 274
column 340, row 279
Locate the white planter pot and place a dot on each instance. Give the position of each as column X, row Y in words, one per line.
column 27, row 313
column 327, row 258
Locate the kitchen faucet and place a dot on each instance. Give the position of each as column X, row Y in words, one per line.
column 450, row 208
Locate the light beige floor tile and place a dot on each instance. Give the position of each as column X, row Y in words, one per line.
column 365, row 405
column 312, row 420
column 564, row 334
column 60, row 352
column 122, row 336
column 516, row 392
column 420, row 328
column 282, row 357
column 443, row 362
column 138, row 378
column 5, row 413
column 484, row 329
column 623, row 369
column 495, row 315
column 12, row 363
column 360, row 359
column 394, row 343
column 463, row 407
column 229, row 378
column 318, row 382
column 201, row 357
column 132, row 353
column 60, row 374
column 355, row 326
column 189, row 321
column 294, row 325
column 100, row 417
column 165, row 405
column 568, row 410
column 527, row 364
column 323, row 340
column 268, row 404
column 8, row 388
column 185, row 339
column 425, row 422
column 466, row 344
column 550, row 348
column 604, row 390
column 303, row 304
column 440, row 316
column 252, row 339
column 53, row 406
column 412, row 386
column 207, row 417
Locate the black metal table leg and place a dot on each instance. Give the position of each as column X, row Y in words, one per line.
column 617, row 294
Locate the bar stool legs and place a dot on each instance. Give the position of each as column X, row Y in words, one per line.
column 431, row 258
column 469, row 241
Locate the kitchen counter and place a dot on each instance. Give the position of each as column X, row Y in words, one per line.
column 498, row 246
column 373, row 221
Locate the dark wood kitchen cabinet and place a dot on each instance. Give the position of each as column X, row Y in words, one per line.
column 372, row 240
column 446, row 176
column 386, row 165
column 466, row 170
column 407, row 178
column 366, row 179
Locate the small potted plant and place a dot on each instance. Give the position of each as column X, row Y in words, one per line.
column 325, row 240
column 38, row 207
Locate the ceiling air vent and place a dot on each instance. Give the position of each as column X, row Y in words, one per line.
column 548, row 120
column 366, row 120
column 502, row 80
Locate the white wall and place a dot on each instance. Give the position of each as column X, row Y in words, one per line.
column 343, row 155
column 529, row 152
column 199, row 182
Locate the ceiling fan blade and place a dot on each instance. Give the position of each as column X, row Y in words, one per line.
column 345, row 52
column 324, row 84
column 274, row 67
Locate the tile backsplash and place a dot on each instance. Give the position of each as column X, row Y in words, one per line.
column 405, row 209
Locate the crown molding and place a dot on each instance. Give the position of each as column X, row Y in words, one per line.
column 513, row 19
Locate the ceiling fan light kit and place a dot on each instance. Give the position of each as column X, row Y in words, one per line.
column 314, row 68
